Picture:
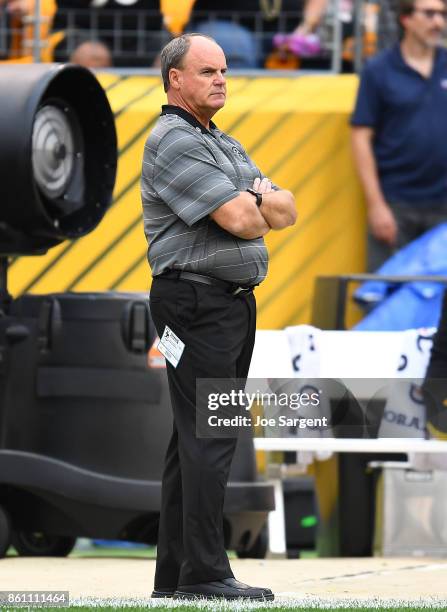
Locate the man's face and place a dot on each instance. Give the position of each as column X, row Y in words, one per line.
column 427, row 22
column 201, row 80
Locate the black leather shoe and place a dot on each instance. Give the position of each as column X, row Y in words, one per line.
column 160, row 593
column 228, row 588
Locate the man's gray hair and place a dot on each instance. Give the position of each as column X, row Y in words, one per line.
column 173, row 53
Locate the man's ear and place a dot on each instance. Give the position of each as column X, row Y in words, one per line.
column 403, row 21
column 175, row 78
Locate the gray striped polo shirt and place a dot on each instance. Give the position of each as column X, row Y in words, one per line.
column 188, row 172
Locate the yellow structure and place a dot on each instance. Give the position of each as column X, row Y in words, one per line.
column 296, row 129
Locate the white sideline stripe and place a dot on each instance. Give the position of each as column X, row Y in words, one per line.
column 352, row 445
column 431, row 567
column 365, row 575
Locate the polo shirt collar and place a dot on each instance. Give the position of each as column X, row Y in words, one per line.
column 439, row 60
column 171, row 109
column 397, row 55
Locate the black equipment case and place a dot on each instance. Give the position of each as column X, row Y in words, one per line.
column 84, row 425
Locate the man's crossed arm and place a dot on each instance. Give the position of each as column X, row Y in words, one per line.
column 244, row 219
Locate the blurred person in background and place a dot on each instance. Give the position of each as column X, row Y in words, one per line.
column 244, row 28
column 304, row 41
column 92, row 54
column 253, row 33
column 133, row 30
column 17, row 28
column 399, row 132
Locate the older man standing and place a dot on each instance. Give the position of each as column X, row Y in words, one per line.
column 206, row 209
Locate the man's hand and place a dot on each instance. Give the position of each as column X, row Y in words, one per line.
column 18, row 8
column 262, row 186
column 382, row 223
column 278, row 208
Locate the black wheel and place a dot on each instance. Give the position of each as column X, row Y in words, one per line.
column 259, row 548
column 5, row 532
column 37, row 544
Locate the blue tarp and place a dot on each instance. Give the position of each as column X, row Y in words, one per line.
column 413, row 305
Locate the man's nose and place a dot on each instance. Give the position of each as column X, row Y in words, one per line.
column 220, row 77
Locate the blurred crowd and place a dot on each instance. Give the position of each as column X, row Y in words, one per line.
column 277, row 34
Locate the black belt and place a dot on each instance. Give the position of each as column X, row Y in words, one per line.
column 232, row 288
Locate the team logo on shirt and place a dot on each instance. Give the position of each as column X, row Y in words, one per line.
column 239, row 153
column 444, row 83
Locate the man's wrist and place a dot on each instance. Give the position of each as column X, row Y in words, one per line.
column 377, row 204
column 257, row 195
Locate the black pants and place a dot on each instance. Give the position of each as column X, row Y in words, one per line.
column 218, row 330
column 435, row 384
column 411, row 224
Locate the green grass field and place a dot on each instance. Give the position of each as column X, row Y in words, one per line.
column 310, row 604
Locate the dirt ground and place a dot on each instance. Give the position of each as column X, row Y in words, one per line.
column 324, row 579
